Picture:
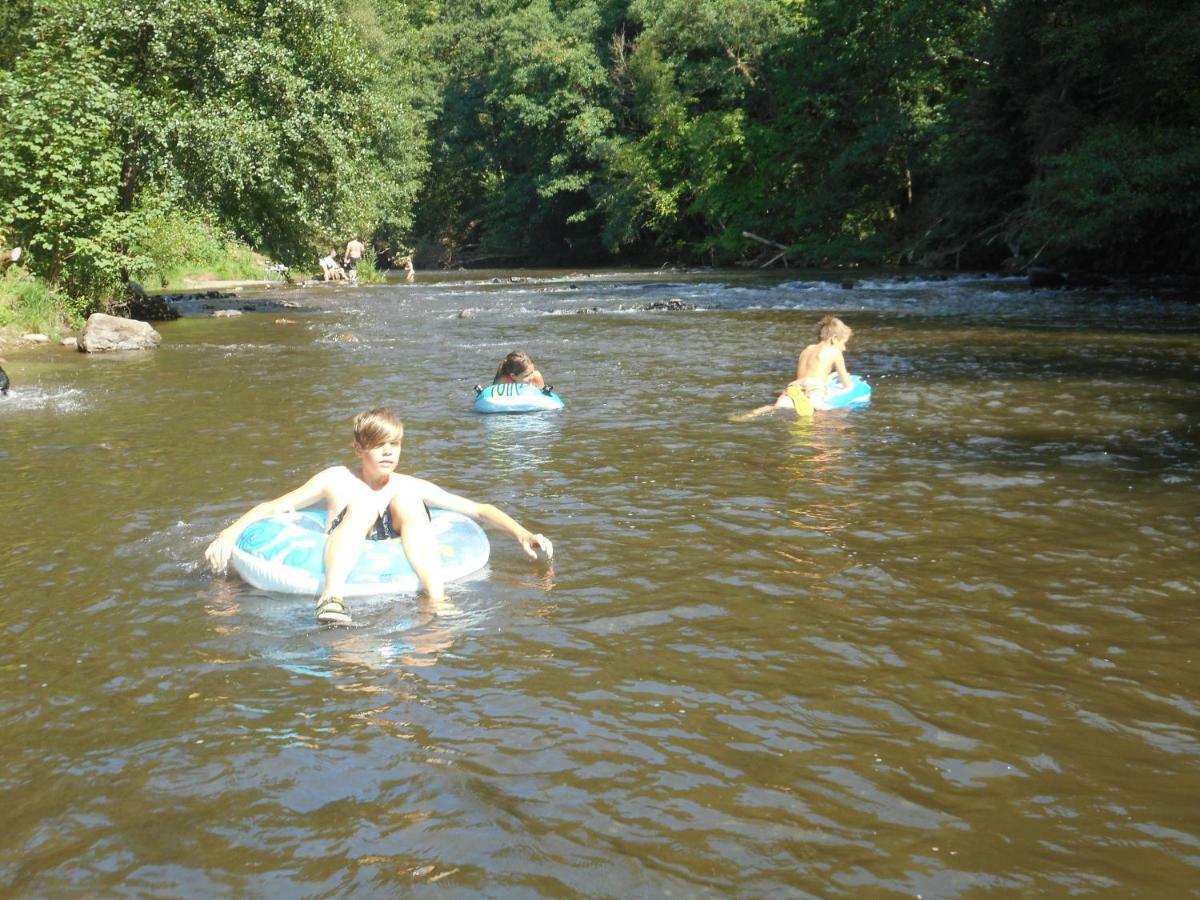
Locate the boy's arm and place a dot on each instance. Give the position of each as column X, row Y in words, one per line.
column 218, row 552
column 433, row 495
column 839, row 363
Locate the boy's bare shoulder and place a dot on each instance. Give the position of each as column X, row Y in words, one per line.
column 334, row 474
column 409, row 484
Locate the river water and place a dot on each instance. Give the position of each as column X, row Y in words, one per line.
column 942, row 646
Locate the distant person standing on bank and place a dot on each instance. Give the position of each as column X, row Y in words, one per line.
column 410, row 272
column 354, row 252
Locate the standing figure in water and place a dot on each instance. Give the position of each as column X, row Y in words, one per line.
column 815, row 364
column 375, row 503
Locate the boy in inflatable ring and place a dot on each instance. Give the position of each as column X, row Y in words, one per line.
column 358, row 502
column 815, row 364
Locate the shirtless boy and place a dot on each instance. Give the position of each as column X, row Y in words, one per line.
column 373, row 502
column 355, row 249
column 813, row 367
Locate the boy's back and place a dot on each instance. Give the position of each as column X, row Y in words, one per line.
column 815, row 364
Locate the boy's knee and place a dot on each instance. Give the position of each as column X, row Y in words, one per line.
column 408, row 510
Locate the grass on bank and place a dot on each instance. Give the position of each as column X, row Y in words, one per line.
column 29, row 304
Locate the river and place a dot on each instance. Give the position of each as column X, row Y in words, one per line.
column 941, row 646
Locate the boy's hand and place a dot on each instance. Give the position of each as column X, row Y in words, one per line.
column 530, row 541
column 218, row 553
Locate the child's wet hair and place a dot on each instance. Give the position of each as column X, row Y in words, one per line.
column 833, row 327
column 515, row 364
column 377, row 426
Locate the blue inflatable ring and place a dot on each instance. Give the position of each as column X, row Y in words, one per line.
column 286, row 554
column 840, row 397
column 516, row 398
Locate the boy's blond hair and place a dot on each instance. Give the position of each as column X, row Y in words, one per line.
column 833, row 327
column 377, row 426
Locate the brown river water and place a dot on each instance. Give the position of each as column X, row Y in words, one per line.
column 943, row 646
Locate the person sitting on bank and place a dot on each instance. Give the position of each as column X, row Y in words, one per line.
column 373, row 502
column 330, row 270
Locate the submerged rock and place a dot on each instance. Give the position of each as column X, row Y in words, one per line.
column 1086, row 280
column 1045, row 278
column 674, row 304
column 146, row 308
column 104, row 333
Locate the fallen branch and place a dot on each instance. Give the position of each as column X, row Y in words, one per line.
column 763, row 240
column 782, row 248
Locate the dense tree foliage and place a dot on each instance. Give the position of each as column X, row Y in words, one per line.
column 978, row 133
column 265, row 118
column 520, row 133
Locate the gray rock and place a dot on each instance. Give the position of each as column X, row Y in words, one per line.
column 104, row 333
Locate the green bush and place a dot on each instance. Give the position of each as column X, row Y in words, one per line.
column 366, row 270
column 176, row 248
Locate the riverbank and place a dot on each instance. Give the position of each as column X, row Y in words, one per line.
column 14, row 337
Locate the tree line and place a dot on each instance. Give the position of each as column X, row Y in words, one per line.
column 967, row 134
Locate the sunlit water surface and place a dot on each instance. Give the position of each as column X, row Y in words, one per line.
column 942, row 646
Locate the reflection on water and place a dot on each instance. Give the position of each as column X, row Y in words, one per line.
column 942, row 646
column 519, row 442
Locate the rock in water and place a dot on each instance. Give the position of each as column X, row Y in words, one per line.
column 104, row 333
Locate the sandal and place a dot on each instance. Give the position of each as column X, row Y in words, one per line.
column 333, row 611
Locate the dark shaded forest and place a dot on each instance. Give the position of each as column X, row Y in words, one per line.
column 567, row 132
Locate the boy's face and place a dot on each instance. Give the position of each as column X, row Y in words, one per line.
column 381, row 458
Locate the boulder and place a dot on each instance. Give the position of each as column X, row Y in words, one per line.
column 227, row 313
column 103, row 333
column 36, row 338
